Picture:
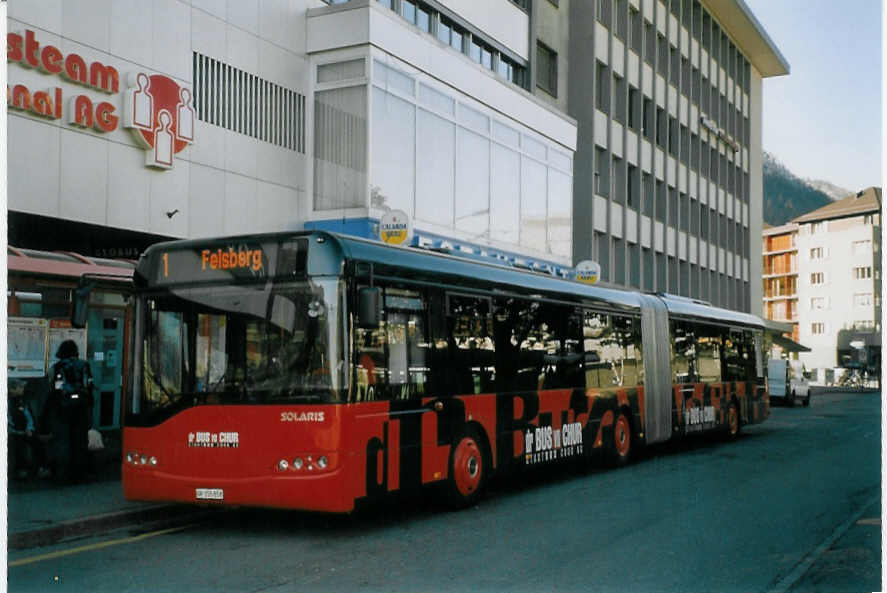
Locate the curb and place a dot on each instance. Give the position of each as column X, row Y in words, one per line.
column 94, row 524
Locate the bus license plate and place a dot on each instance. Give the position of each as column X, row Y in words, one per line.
column 210, row 494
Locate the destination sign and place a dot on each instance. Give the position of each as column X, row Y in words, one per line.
column 236, row 262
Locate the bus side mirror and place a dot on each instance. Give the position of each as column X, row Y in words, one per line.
column 369, row 307
column 80, row 310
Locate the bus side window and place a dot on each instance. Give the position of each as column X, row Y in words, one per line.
column 470, row 345
column 683, row 352
column 708, row 353
column 596, row 332
column 627, row 359
column 734, row 365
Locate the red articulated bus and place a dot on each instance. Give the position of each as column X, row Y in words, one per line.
column 320, row 372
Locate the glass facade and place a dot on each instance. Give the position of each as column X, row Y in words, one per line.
column 453, row 165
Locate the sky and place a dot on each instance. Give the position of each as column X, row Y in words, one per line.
column 823, row 121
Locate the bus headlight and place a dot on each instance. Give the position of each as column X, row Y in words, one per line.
column 297, row 463
column 282, row 465
column 152, row 460
column 322, row 462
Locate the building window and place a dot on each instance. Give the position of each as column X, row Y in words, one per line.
column 817, row 303
column 816, row 253
column 817, row 227
column 633, row 107
column 621, row 20
column 635, row 30
column 602, row 88
column 601, row 173
column 546, row 69
column 661, row 127
column 862, row 272
column 649, row 42
column 619, row 99
column 817, row 328
column 647, row 119
column 242, row 102
column 864, row 324
column 862, row 247
column 817, row 278
column 862, row 299
column 603, row 12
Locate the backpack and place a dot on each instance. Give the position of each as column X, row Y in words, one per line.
column 73, row 383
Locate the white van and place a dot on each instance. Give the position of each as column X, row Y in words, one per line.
column 786, row 381
column 797, row 383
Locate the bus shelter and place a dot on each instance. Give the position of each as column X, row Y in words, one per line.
column 38, row 305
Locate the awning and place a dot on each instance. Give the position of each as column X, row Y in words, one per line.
column 788, row 344
column 858, row 339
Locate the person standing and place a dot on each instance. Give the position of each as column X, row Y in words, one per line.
column 26, row 454
column 71, row 418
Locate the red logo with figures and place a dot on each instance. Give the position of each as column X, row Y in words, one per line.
column 161, row 116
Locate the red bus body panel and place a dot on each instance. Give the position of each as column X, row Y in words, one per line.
column 376, row 448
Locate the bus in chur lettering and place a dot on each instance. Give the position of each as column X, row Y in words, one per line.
column 321, row 372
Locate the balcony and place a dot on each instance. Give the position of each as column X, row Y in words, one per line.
column 780, row 271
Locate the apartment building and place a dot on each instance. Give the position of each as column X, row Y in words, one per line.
column 624, row 131
column 780, row 275
column 839, row 283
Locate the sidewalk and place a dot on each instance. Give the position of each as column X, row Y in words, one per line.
column 849, row 561
column 40, row 512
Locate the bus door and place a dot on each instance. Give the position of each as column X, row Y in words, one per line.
column 657, row 369
column 392, row 365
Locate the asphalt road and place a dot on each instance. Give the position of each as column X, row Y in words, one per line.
column 768, row 512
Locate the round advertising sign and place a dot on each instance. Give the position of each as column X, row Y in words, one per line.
column 588, row 272
column 395, row 228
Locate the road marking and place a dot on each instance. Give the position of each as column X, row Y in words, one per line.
column 876, row 521
column 97, row 546
column 787, row 582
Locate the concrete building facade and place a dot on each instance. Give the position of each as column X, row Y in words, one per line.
column 839, row 284
column 624, row 131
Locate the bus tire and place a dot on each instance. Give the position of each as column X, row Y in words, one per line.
column 807, row 400
column 468, row 469
column 734, row 422
column 790, row 400
column 621, row 449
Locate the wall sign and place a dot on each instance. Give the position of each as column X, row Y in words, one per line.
column 395, row 227
column 721, row 133
column 156, row 108
column 588, row 272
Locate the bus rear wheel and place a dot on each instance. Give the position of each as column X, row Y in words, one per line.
column 621, row 450
column 468, row 471
column 733, row 424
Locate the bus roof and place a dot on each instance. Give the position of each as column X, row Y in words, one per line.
column 453, row 265
column 65, row 264
column 447, row 268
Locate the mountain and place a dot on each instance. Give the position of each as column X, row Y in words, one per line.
column 787, row 196
column 833, row 191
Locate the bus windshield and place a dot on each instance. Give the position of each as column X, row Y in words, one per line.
column 271, row 343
